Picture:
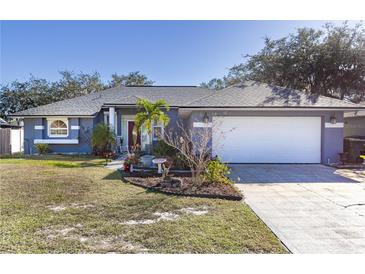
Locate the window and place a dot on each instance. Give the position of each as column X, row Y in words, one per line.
column 157, row 131
column 58, row 128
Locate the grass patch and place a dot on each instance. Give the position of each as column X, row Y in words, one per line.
column 59, row 204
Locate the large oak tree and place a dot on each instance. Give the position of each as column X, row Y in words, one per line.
column 330, row 62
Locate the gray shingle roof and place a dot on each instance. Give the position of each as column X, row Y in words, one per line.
column 91, row 104
column 3, row 122
column 174, row 96
column 253, row 94
column 248, row 94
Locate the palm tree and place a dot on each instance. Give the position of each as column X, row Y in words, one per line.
column 150, row 113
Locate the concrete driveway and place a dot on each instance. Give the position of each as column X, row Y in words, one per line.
column 311, row 212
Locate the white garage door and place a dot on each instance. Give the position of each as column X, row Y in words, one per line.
column 267, row 139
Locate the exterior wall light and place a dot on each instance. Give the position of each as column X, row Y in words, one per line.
column 206, row 118
column 333, row 119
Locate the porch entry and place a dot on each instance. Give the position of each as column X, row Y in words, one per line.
column 126, row 134
column 133, row 135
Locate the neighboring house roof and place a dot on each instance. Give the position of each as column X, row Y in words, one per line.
column 248, row 94
column 3, row 122
column 253, row 94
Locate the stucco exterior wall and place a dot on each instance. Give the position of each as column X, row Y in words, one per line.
column 37, row 128
column 331, row 138
column 30, row 133
column 82, row 133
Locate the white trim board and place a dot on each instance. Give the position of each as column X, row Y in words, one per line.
column 202, row 124
column 337, row 125
column 75, row 127
column 56, row 141
column 39, row 127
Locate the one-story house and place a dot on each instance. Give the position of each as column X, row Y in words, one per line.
column 261, row 123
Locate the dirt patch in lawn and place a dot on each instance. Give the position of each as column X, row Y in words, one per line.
column 161, row 216
column 95, row 243
column 187, row 187
column 58, row 208
column 169, row 216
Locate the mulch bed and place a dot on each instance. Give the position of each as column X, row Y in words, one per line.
column 152, row 181
column 348, row 166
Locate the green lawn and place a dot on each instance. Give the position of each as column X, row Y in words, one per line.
column 75, row 205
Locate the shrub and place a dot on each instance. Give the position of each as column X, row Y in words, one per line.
column 42, row 148
column 102, row 138
column 132, row 159
column 180, row 161
column 14, row 155
column 217, row 171
column 162, row 149
column 18, row 155
column 194, row 145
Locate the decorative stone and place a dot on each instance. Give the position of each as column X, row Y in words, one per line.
column 177, row 183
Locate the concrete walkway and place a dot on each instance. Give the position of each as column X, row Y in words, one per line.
column 324, row 215
column 116, row 163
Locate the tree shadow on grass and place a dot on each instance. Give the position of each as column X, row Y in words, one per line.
column 115, row 175
column 75, row 164
column 88, row 164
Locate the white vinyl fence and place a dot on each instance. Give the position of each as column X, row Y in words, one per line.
column 17, row 140
column 11, row 140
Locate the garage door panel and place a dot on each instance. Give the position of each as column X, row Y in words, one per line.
column 267, row 139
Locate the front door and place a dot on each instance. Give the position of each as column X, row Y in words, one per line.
column 131, row 136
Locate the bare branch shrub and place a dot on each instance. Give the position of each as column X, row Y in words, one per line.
column 194, row 144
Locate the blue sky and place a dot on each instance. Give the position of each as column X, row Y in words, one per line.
column 168, row 52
